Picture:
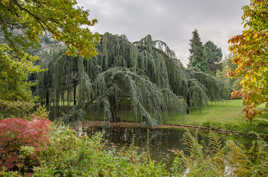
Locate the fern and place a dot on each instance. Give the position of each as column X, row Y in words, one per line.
column 214, row 143
column 230, row 160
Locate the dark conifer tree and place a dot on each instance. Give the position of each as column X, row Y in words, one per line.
column 212, row 55
column 197, row 61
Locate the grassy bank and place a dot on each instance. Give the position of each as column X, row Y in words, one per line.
column 225, row 114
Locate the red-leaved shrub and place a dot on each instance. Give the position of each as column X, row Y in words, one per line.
column 16, row 133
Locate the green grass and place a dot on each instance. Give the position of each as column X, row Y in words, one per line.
column 223, row 114
column 220, row 112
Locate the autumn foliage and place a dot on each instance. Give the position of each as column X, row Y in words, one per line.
column 17, row 134
column 250, row 50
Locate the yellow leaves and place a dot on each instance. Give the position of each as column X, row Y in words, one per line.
column 251, row 57
column 68, row 52
column 35, row 58
column 255, row 36
column 15, row 69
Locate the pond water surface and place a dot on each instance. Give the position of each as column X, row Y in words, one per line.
column 158, row 142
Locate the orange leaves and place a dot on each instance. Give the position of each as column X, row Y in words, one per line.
column 230, row 74
column 236, row 60
column 249, row 113
column 236, row 39
column 251, row 57
column 235, row 94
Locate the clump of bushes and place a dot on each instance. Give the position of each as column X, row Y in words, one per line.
column 69, row 154
column 21, row 141
column 15, row 108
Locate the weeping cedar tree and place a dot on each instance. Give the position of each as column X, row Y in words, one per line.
column 144, row 77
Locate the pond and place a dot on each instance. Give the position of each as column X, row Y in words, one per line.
column 158, row 142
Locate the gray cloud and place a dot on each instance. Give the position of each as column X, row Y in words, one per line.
column 171, row 21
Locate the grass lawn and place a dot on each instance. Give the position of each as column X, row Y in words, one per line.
column 223, row 114
column 228, row 111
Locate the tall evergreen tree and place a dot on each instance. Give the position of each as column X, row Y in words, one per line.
column 212, row 56
column 197, row 56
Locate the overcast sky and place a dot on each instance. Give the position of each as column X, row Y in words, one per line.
column 171, row 21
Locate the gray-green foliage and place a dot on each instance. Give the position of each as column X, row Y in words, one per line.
column 146, row 75
column 211, row 85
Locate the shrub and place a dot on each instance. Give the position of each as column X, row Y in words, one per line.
column 72, row 155
column 9, row 174
column 41, row 111
column 20, row 142
column 15, row 108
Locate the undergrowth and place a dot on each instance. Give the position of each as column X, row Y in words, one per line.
column 68, row 154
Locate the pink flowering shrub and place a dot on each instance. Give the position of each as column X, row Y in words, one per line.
column 18, row 135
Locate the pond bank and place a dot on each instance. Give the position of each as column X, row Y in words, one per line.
column 99, row 124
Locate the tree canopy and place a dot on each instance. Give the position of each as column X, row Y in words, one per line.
column 251, row 56
column 14, row 72
column 23, row 24
column 63, row 19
